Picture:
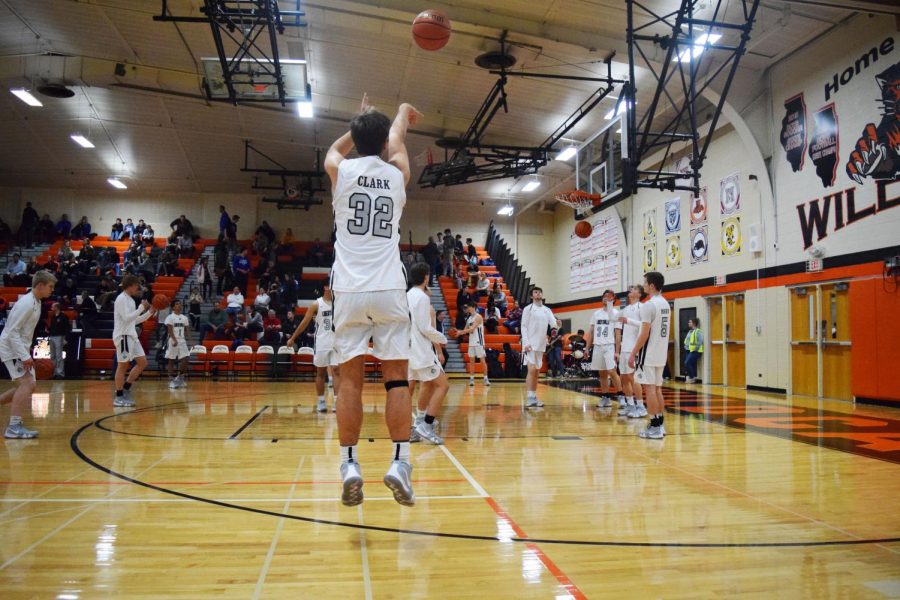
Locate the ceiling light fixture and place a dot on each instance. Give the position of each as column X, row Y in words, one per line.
column 531, row 185
column 567, row 154
column 26, row 97
column 700, row 44
column 506, row 210
column 117, row 183
column 305, row 107
column 81, row 140
column 617, row 110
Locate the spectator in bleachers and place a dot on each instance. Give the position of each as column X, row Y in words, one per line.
column 317, row 254
column 471, row 253
column 182, row 227
column 64, row 227
column 148, row 236
column 58, row 330
column 139, row 229
column 29, row 227
column 482, row 286
column 220, row 262
column 471, row 275
column 224, row 221
column 134, row 248
column 499, row 298
column 231, row 232
column 128, row 230
column 32, row 267
column 286, row 245
column 51, row 265
column 247, row 325
column 66, row 291
column 214, row 324
column 264, row 269
column 240, row 267
column 271, row 328
column 235, row 302
column 195, row 299
column 513, row 320
column 262, row 300
column 268, row 236
column 458, row 248
column 290, row 290
column 260, row 245
column 185, row 246
column 491, row 317
column 117, row 231
column 168, row 261
column 108, row 260
column 65, row 254
column 15, row 270
column 463, row 297
column 87, row 257
column 432, row 256
column 275, row 296
column 82, row 231
column 204, row 277
column 46, row 230
column 554, row 355
column 289, row 323
column 87, row 312
column 447, row 252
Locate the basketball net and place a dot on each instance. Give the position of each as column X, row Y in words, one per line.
column 579, row 200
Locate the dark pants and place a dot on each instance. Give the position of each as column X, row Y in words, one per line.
column 208, row 328
column 554, row 361
column 690, row 364
column 206, row 288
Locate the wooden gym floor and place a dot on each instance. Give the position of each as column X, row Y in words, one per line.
column 230, row 490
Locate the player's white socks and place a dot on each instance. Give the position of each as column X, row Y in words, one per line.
column 321, row 398
column 629, row 400
column 640, row 402
column 420, row 414
column 532, row 394
column 13, row 421
column 401, row 451
column 348, row 454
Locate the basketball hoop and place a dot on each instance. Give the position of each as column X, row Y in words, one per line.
column 579, row 200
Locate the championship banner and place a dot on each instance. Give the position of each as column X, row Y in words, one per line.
column 700, row 244
column 673, row 215
column 650, row 225
column 698, row 207
column 649, row 257
column 731, row 236
column 730, row 194
column 673, row 252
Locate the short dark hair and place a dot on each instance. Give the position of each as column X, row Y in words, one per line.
column 656, row 279
column 581, row 332
column 471, row 304
column 537, row 289
column 326, row 282
column 369, row 132
column 418, row 273
column 696, row 321
column 468, row 240
column 130, row 280
column 640, row 290
column 605, row 292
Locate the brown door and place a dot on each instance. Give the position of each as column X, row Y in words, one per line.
column 835, row 332
column 735, row 349
column 716, row 333
column 804, row 349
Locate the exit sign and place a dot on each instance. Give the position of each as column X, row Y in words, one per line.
column 720, row 280
column 814, row 265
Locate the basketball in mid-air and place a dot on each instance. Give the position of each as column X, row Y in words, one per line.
column 431, row 30
column 583, row 229
column 160, row 301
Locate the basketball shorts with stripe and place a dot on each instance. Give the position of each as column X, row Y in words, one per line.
column 382, row 316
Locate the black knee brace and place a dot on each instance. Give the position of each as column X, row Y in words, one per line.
column 389, row 385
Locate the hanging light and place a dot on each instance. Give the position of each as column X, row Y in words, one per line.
column 117, row 183
column 567, row 153
column 81, row 140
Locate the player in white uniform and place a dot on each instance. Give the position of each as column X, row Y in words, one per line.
column 650, row 352
column 15, row 351
column 325, row 356
column 177, row 326
column 128, row 346
column 475, row 330
column 602, row 333
column 368, row 284
column 425, row 360
column 537, row 320
column 627, row 329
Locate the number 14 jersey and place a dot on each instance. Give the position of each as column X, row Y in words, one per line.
column 369, row 197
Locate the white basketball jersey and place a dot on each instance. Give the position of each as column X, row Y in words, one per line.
column 658, row 313
column 630, row 332
column 604, row 326
column 179, row 325
column 324, row 326
column 476, row 338
column 369, row 197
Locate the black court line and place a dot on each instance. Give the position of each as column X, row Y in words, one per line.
column 249, row 423
column 73, row 443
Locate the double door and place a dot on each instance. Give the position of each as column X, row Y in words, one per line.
column 727, row 344
column 820, row 340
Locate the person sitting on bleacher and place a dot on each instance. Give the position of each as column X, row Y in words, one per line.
column 117, row 231
column 65, row 291
column 65, row 254
column 5, row 231
column 471, row 253
column 235, row 302
column 185, row 246
column 290, row 290
column 15, row 270
column 139, row 229
column 195, row 299
column 491, row 316
column 32, row 267
column 168, row 262
column 148, row 237
column 82, row 231
column 128, row 230
column 482, row 286
column 317, row 256
column 46, row 230
column 289, row 323
column 64, row 227
column 275, row 297
column 286, row 245
column 499, row 298
column 215, row 323
column 108, row 260
column 87, row 257
column 262, row 300
column 513, row 320
column 182, row 227
column 51, row 265
column 87, row 311
column 271, row 328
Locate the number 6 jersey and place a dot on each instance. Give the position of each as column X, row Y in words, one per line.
column 658, row 313
column 369, row 197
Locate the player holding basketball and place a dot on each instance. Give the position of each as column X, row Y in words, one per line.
column 368, row 286
column 325, row 356
column 602, row 332
column 648, row 357
column 627, row 329
column 475, row 330
column 15, row 351
column 125, row 338
column 537, row 320
column 425, row 361
column 177, row 325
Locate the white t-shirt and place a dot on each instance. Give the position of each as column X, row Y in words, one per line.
column 179, row 325
column 126, row 316
column 15, row 341
column 604, row 325
column 324, row 326
column 535, row 322
column 423, row 335
column 658, row 313
column 632, row 330
column 235, row 300
column 369, row 197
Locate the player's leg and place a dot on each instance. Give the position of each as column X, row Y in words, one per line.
column 21, row 397
column 336, row 375
column 140, row 363
column 484, row 366
column 349, row 421
column 183, row 368
column 433, row 392
column 171, row 359
column 533, row 362
column 321, row 376
column 617, row 386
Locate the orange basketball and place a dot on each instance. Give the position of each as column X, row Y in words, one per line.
column 431, row 30
column 43, row 368
column 160, row 301
column 583, row 229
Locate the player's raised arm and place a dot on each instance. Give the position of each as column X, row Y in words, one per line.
column 407, row 115
column 342, row 147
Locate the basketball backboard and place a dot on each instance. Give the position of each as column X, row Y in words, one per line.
column 255, row 80
column 598, row 163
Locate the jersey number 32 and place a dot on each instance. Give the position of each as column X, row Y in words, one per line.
column 365, row 218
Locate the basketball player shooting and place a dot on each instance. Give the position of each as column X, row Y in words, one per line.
column 368, row 284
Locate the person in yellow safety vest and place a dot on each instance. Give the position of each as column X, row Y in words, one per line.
column 693, row 346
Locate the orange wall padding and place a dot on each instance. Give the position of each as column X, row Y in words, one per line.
column 874, row 333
